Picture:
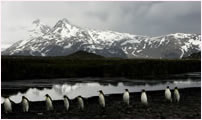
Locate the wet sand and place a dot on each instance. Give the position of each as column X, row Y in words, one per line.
column 189, row 108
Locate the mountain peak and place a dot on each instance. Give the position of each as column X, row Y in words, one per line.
column 65, row 38
column 62, row 23
column 65, row 20
column 38, row 28
column 65, row 29
column 37, row 22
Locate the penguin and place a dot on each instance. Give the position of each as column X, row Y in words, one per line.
column 25, row 104
column 101, row 99
column 168, row 94
column 7, row 105
column 80, row 103
column 126, row 97
column 49, row 104
column 144, row 98
column 176, row 95
column 66, row 102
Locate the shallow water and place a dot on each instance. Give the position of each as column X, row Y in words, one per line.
column 36, row 89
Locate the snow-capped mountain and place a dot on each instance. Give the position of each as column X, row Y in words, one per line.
column 65, row 38
column 38, row 29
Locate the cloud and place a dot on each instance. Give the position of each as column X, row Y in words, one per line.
column 143, row 18
column 103, row 16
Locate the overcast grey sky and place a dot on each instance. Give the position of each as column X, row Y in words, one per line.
column 143, row 18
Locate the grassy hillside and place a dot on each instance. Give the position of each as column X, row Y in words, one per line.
column 19, row 67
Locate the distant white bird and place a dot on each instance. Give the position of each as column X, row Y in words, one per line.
column 80, row 103
column 176, row 95
column 25, row 104
column 101, row 99
column 7, row 105
column 168, row 94
column 144, row 98
column 66, row 102
column 126, row 97
column 49, row 104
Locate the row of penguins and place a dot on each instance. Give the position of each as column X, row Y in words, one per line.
column 126, row 100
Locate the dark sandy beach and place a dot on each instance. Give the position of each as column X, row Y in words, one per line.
column 189, row 108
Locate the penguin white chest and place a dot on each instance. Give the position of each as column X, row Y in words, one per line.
column 49, row 105
column 126, row 97
column 144, row 98
column 66, row 104
column 176, row 95
column 7, row 105
column 168, row 94
column 25, row 105
column 81, row 103
column 101, row 100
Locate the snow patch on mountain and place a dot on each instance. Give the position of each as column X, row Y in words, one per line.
column 38, row 29
column 68, row 46
column 65, row 38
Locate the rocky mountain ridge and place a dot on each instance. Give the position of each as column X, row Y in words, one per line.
column 65, row 38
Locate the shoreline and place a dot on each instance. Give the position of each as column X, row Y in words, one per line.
column 189, row 107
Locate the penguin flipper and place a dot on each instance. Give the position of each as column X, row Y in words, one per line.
column 12, row 102
column 85, row 100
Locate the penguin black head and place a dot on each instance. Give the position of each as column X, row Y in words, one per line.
column 47, row 95
column 65, row 96
column 176, row 88
column 79, row 96
column 126, row 90
column 143, row 90
column 167, row 86
column 6, row 96
column 23, row 97
column 100, row 91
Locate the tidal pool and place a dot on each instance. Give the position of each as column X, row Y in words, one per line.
column 36, row 90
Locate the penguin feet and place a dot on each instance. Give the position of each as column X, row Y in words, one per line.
column 66, row 111
column 102, row 110
column 168, row 101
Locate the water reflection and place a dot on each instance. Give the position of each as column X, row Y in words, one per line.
column 90, row 89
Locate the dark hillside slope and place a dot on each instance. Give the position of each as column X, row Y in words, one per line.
column 194, row 56
column 15, row 68
column 84, row 55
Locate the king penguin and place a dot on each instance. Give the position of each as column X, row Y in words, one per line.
column 25, row 104
column 66, row 102
column 7, row 105
column 126, row 97
column 80, row 103
column 168, row 94
column 101, row 99
column 144, row 98
column 176, row 95
column 49, row 104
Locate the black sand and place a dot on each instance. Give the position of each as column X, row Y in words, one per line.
column 189, row 108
